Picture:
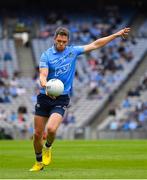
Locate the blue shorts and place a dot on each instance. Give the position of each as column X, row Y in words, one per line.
column 45, row 105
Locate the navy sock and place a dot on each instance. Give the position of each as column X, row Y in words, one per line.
column 39, row 157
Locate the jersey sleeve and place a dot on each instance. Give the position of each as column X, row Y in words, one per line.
column 79, row 49
column 43, row 61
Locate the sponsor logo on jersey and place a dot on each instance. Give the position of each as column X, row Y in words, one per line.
column 62, row 69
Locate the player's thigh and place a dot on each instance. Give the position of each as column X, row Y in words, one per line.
column 54, row 121
column 39, row 123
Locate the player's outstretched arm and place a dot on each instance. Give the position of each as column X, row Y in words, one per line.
column 105, row 40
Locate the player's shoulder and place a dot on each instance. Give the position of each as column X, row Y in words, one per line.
column 72, row 47
column 47, row 51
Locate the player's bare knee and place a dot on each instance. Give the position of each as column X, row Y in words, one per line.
column 51, row 130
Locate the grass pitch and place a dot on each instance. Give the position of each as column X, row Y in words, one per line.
column 102, row 159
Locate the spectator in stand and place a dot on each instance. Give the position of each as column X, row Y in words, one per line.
column 133, row 124
column 22, row 109
column 13, row 117
column 7, row 56
column 13, row 91
column 71, row 118
column 114, row 125
column 133, row 92
column 126, row 103
column 6, row 98
column 93, row 89
column 142, row 29
column 112, row 110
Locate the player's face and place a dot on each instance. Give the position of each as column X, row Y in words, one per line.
column 60, row 42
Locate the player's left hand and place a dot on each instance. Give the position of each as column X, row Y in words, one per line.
column 123, row 33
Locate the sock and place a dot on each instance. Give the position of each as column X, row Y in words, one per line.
column 48, row 144
column 39, row 157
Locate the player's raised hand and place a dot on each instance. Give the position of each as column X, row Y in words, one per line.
column 123, row 33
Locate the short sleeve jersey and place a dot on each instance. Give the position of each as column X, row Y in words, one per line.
column 61, row 65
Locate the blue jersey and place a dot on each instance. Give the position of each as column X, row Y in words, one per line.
column 61, row 65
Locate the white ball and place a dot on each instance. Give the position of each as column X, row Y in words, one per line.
column 54, row 87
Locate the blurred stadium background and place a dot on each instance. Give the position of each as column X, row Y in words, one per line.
column 109, row 98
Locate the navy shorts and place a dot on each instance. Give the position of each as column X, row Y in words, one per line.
column 45, row 105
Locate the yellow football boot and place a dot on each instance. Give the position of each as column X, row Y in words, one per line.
column 37, row 166
column 46, row 156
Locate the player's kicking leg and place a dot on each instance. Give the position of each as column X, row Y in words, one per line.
column 52, row 126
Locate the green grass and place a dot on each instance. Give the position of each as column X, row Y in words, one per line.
column 110, row 159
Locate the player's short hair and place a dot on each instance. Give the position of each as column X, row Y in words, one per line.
column 61, row 31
